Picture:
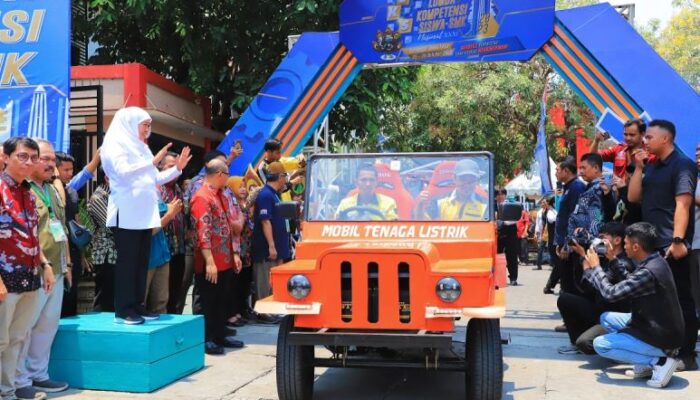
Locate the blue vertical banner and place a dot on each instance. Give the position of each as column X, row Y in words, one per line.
column 35, row 64
column 541, row 153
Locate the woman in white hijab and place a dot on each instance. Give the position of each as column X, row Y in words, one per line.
column 132, row 210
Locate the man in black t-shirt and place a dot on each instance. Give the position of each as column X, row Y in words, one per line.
column 667, row 187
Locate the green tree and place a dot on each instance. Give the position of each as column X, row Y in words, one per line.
column 679, row 42
column 226, row 49
column 484, row 106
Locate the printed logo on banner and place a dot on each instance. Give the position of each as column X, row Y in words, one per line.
column 415, row 31
column 35, row 70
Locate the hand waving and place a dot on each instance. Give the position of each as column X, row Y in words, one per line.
column 183, row 158
column 161, row 154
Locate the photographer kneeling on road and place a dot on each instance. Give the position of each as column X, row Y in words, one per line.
column 649, row 337
column 582, row 313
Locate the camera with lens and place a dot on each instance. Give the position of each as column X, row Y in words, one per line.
column 584, row 239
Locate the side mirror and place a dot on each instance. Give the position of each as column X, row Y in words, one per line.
column 510, row 212
column 288, row 209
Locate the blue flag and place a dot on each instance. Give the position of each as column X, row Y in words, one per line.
column 541, row 154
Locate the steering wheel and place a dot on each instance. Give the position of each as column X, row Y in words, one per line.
column 343, row 215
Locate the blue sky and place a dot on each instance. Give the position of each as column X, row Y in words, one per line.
column 645, row 10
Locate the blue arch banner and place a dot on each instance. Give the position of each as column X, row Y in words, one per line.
column 419, row 31
column 35, row 70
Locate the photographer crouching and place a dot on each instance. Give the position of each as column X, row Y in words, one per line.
column 649, row 337
column 581, row 313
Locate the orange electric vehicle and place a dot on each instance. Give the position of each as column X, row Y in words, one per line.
column 372, row 285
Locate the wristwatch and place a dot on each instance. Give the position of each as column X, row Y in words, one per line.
column 678, row 240
column 45, row 263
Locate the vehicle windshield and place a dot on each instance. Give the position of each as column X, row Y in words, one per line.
column 400, row 187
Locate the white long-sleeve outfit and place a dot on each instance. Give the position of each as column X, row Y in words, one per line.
column 132, row 208
column 128, row 162
column 539, row 226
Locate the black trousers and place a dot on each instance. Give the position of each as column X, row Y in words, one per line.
column 509, row 244
column 177, row 272
column 214, row 300
column 69, row 307
column 570, row 270
column 681, row 276
column 104, row 288
column 579, row 314
column 240, row 291
column 555, row 262
column 524, row 253
column 133, row 250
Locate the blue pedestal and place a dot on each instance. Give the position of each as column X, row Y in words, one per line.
column 92, row 352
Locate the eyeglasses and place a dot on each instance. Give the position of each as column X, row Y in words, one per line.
column 47, row 159
column 24, row 157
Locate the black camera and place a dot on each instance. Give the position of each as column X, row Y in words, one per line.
column 585, row 240
column 581, row 237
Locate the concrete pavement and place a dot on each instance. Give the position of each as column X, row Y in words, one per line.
column 533, row 368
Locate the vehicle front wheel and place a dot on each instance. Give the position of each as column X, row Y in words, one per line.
column 484, row 360
column 295, row 369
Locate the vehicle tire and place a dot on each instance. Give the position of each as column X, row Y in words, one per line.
column 295, row 369
column 484, row 360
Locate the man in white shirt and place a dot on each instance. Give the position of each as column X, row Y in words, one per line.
column 544, row 231
column 132, row 210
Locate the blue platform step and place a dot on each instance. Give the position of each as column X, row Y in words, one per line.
column 92, row 352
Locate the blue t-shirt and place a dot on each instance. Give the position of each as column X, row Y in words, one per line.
column 265, row 210
column 160, row 252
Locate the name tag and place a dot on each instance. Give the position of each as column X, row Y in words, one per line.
column 56, row 229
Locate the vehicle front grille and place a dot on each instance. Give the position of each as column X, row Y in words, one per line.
column 385, row 290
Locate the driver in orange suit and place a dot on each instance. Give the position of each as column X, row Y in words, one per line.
column 367, row 204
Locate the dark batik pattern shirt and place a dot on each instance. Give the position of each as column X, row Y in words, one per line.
column 175, row 230
column 19, row 239
column 104, row 250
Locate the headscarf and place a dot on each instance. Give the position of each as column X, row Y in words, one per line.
column 123, row 134
column 235, row 183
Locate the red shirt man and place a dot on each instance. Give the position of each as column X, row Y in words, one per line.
column 218, row 230
column 214, row 219
column 621, row 155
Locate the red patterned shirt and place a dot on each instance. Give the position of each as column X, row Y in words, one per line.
column 19, row 239
column 213, row 219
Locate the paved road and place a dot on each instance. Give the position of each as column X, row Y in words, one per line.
column 533, row 368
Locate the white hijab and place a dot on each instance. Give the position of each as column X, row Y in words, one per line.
column 123, row 134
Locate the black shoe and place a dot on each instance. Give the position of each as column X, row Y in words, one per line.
column 267, row 319
column 145, row 314
column 230, row 343
column 213, row 349
column 129, row 319
column 547, row 290
column 50, row 386
column 236, row 324
column 513, row 283
column 231, row 331
column 560, row 328
column 687, row 363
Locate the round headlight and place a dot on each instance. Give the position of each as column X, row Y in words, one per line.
column 299, row 286
column 448, row 289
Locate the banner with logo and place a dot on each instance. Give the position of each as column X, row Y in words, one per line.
column 35, row 40
column 419, row 31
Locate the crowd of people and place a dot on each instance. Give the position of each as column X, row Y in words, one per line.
column 620, row 249
column 155, row 234
column 625, row 252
